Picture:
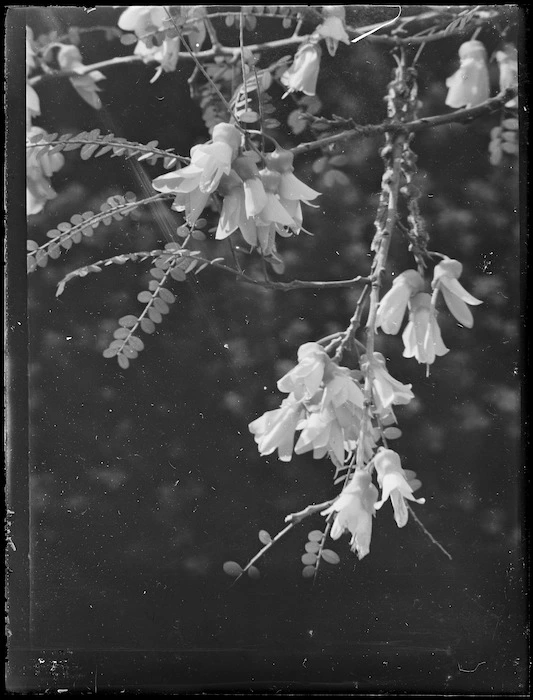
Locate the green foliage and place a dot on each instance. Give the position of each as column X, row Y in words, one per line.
column 94, row 144
column 83, row 225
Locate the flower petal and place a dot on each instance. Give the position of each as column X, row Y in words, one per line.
column 457, row 307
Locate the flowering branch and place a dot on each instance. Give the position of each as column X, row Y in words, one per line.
column 296, row 518
column 459, row 116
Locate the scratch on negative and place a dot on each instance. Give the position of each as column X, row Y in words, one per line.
column 466, row 670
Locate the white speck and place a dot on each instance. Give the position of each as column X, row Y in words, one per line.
column 69, row 337
column 226, row 346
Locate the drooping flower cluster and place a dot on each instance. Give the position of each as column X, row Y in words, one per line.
column 325, row 403
column 333, row 28
column 469, row 85
column 354, row 510
column 149, row 24
column 422, row 337
column 38, row 170
column 260, row 203
column 358, row 502
column 69, row 59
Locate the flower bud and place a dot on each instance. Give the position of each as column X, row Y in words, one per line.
column 227, row 133
column 280, row 160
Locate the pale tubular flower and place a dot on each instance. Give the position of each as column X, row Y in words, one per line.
column 143, row 19
column 69, row 59
column 508, row 64
column 445, row 280
column 322, row 433
column 255, row 197
column 421, row 337
column 292, row 191
column 209, row 162
column 396, row 484
column 166, row 55
column 332, row 28
column 260, row 231
column 275, row 429
column 469, row 85
column 302, row 75
column 39, row 170
column 305, row 379
column 387, row 391
column 233, row 212
column 354, row 509
column 192, row 203
column 393, row 305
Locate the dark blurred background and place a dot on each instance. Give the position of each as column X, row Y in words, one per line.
column 144, row 482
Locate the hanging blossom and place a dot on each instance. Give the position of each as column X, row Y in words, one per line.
column 194, row 183
column 469, row 85
column 69, row 59
column 325, row 403
column 302, row 75
column 393, row 305
column 260, row 230
column 333, row 28
column 166, row 55
column 421, row 337
column 395, row 483
column 143, row 20
column 292, row 191
column 508, row 65
column 386, row 390
column 354, row 509
column 445, row 280
column 39, row 170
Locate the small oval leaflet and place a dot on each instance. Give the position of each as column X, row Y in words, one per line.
column 232, row 568
column 330, row 556
column 312, row 547
column 127, row 321
column 308, row 571
column 309, row 558
column 144, row 297
column 253, row 573
column 392, row 433
column 264, row 537
column 249, row 117
column 123, row 361
column 315, row 536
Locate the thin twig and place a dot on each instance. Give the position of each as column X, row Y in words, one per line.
column 427, row 533
column 459, row 116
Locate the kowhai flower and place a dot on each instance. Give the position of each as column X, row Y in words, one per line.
column 292, row 191
column 330, row 405
column 393, row 305
column 302, row 75
column 396, row 484
column 445, row 280
column 39, row 170
column 143, row 19
column 332, row 28
column 354, row 509
column 469, row 85
column 69, row 59
column 260, row 231
column 274, row 430
column 209, row 161
column 421, row 337
column 386, row 390
column 508, row 65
